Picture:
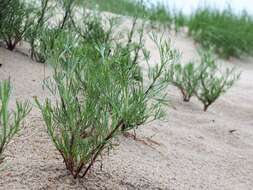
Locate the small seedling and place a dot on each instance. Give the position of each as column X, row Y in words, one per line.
column 213, row 81
column 206, row 80
column 185, row 78
column 10, row 122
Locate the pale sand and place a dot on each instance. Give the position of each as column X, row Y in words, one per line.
column 189, row 150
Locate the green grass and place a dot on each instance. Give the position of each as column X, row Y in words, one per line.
column 124, row 7
column 135, row 8
column 229, row 34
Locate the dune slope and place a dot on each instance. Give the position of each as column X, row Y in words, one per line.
column 189, row 150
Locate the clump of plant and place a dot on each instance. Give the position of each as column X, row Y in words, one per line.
column 205, row 80
column 160, row 13
column 213, row 81
column 4, row 4
column 16, row 20
column 42, row 14
column 44, row 43
column 43, row 34
column 179, row 20
column 92, row 29
column 157, row 12
column 99, row 99
column 10, row 122
column 230, row 34
column 185, row 78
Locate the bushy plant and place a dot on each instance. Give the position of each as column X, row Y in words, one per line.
column 17, row 18
column 4, row 4
column 230, row 34
column 205, row 80
column 44, row 43
column 67, row 6
column 96, row 98
column 10, row 122
column 160, row 13
column 185, row 78
column 213, row 81
column 92, row 29
column 43, row 34
column 88, row 28
column 157, row 12
column 179, row 20
column 38, row 28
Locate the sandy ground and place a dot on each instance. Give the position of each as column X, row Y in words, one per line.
column 189, row 150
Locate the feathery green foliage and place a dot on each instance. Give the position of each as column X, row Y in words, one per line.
column 179, row 20
column 156, row 13
column 159, row 13
column 206, row 80
column 213, row 81
column 185, row 78
column 100, row 96
column 17, row 18
column 9, row 121
column 43, row 35
column 38, row 28
column 134, row 8
column 123, row 7
column 228, row 33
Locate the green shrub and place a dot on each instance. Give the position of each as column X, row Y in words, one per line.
column 228, row 33
column 123, row 7
column 4, row 4
column 96, row 98
column 38, row 28
column 160, row 13
column 67, row 6
column 17, row 19
column 9, row 121
column 179, row 20
column 205, row 80
column 185, row 78
column 44, row 34
column 44, row 43
column 213, row 81
column 92, row 30
column 135, row 8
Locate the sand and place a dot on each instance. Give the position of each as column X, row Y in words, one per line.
column 190, row 149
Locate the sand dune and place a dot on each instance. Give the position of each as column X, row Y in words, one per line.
column 191, row 149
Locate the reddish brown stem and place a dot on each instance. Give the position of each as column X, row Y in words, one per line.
column 101, row 147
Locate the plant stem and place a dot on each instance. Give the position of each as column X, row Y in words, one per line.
column 101, row 147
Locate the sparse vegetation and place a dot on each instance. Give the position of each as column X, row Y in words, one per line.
column 213, row 80
column 206, row 80
column 43, row 33
column 179, row 20
column 156, row 13
column 38, row 28
column 10, row 122
column 98, row 87
column 15, row 22
column 229, row 34
column 185, row 78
